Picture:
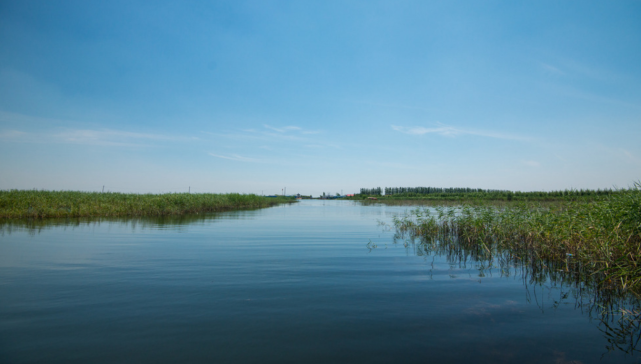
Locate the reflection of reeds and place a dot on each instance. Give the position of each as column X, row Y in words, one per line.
column 599, row 240
column 622, row 329
column 590, row 250
column 69, row 204
column 174, row 222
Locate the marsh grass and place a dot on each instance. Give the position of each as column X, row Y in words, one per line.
column 15, row 204
column 587, row 251
column 598, row 241
column 548, row 284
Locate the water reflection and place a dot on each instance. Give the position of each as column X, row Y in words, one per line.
column 547, row 284
column 170, row 222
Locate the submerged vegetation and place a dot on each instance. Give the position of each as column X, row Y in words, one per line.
column 595, row 240
column 71, row 204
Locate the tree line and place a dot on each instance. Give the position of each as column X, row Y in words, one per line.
column 477, row 192
column 429, row 190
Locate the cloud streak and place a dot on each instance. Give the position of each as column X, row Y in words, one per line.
column 11, row 134
column 286, row 129
column 551, row 69
column 234, row 157
column 276, row 136
column 450, row 131
column 531, row 163
column 109, row 137
column 103, row 137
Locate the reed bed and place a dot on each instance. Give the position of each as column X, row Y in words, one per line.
column 71, row 204
column 597, row 240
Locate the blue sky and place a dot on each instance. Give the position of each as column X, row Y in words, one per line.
column 319, row 96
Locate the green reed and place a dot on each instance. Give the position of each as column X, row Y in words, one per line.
column 65, row 204
column 597, row 240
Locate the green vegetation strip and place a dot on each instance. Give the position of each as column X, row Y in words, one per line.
column 477, row 194
column 598, row 240
column 46, row 204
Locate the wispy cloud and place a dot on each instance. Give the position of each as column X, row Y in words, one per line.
column 291, row 128
column 531, row 163
column 109, row 137
column 252, row 134
column 40, row 130
column 283, row 129
column 234, row 157
column 102, row 137
column 11, row 134
column 272, row 137
column 629, row 156
column 551, row 69
column 618, row 154
column 396, row 106
column 450, row 131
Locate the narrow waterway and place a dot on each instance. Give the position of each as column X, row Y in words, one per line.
column 312, row 282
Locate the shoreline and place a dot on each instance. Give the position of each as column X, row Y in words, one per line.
column 21, row 204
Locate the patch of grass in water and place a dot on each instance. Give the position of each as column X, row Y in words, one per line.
column 597, row 240
column 588, row 251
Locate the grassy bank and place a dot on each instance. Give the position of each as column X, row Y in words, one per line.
column 45, row 204
column 597, row 239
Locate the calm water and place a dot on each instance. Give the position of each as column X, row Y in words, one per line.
column 290, row 284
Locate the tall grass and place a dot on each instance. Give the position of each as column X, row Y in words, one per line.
column 597, row 240
column 45, row 204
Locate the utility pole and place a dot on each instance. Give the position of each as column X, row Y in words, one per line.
column 189, row 189
column 103, row 189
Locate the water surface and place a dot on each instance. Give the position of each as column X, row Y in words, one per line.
column 313, row 282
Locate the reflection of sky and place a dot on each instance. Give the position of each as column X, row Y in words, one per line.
column 253, row 97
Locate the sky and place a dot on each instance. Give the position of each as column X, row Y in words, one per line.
column 319, row 96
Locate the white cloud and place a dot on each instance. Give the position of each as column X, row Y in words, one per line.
column 88, row 136
column 629, row 156
column 532, row 163
column 234, row 157
column 551, row 69
column 286, row 129
column 11, row 134
column 451, row 131
column 283, row 129
column 105, row 137
column 275, row 136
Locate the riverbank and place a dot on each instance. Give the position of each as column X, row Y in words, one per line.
column 598, row 239
column 63, row 204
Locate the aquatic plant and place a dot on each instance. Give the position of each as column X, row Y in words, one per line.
column 597, row 240
column 586, row 251
column 66, row 204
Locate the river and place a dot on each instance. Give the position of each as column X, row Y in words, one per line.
column 311, row 282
